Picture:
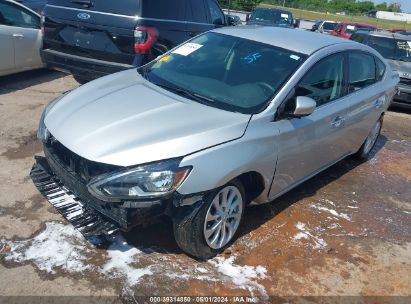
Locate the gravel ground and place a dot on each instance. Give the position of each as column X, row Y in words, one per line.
column 346, row 232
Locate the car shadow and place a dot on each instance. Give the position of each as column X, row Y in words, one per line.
column 23, row 80
column 159, row 236
column 398, row 109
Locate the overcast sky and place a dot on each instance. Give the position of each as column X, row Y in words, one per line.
column 405, row 4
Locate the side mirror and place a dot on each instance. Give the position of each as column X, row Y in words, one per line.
column 218, row 22
column 304, row 106
column 230, row 20
column 247, row 17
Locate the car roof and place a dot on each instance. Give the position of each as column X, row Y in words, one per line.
column 385, row 34
column 304, row 42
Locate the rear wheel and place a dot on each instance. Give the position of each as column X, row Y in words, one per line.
column 215, row 225
column 370, row 141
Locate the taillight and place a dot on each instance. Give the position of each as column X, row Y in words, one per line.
column 144, row 38
column 42, row 20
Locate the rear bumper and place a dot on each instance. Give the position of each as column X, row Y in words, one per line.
column 87, row 68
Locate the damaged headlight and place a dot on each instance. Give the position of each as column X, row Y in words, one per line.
column 42, row 132
column 147, row 181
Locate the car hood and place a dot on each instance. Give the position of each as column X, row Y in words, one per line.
column 124, row 120
column 403, row 68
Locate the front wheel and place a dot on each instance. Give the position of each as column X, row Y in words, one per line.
column 215, row 225
column 369, row 143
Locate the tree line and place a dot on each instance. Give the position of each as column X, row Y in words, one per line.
column 352, row 7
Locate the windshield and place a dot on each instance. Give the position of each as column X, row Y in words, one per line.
column 350, row 29
column 329, row 26
column 403, row 51
column 272, row 16
column 226, row 72
column 390, row 48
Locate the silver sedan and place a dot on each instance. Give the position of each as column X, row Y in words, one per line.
column 20, row 37
column 235, row 116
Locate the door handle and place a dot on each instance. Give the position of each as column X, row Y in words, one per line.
column 20, row 36
column 192, row 34
column 337, row 122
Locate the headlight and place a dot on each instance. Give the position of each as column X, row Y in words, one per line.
column 42, row 132
column 147, row 181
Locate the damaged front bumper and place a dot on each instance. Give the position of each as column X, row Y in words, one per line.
column 98, row 221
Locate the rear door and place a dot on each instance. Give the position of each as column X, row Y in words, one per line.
column 367, row 98
column 97, row 29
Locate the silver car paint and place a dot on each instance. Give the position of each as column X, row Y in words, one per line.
column 19, row 47
column 121, row 119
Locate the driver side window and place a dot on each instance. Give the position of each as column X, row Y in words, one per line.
column 325, row 81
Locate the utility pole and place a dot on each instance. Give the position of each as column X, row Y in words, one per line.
column 283, row 3
column 229, row 5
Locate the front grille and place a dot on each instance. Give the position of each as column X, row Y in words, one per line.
column 405, row 81
column 84, row 169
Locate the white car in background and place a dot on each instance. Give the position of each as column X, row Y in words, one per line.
column 20, row 37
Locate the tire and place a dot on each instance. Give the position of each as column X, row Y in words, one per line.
column 364, row 152
column 190, row 230
column 81, row 80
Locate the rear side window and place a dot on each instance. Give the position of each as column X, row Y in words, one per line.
column 14, row 15
column 362, row 71
column 380, row 66
column 122, row 7
column 165, row 9
column 385, row 46
column 324, row 82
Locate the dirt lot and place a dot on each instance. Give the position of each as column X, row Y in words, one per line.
column 346, row 232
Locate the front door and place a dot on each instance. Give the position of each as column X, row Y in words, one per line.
column 309, row 144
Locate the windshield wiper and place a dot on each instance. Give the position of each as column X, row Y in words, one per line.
column 188, row 94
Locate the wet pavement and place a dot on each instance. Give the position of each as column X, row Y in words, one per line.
column 345, row 232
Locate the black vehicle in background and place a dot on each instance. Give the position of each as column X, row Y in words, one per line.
column 93, row 38
column 396, row 49
column 35, row 5
column 233, row 19
column 271, row 17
